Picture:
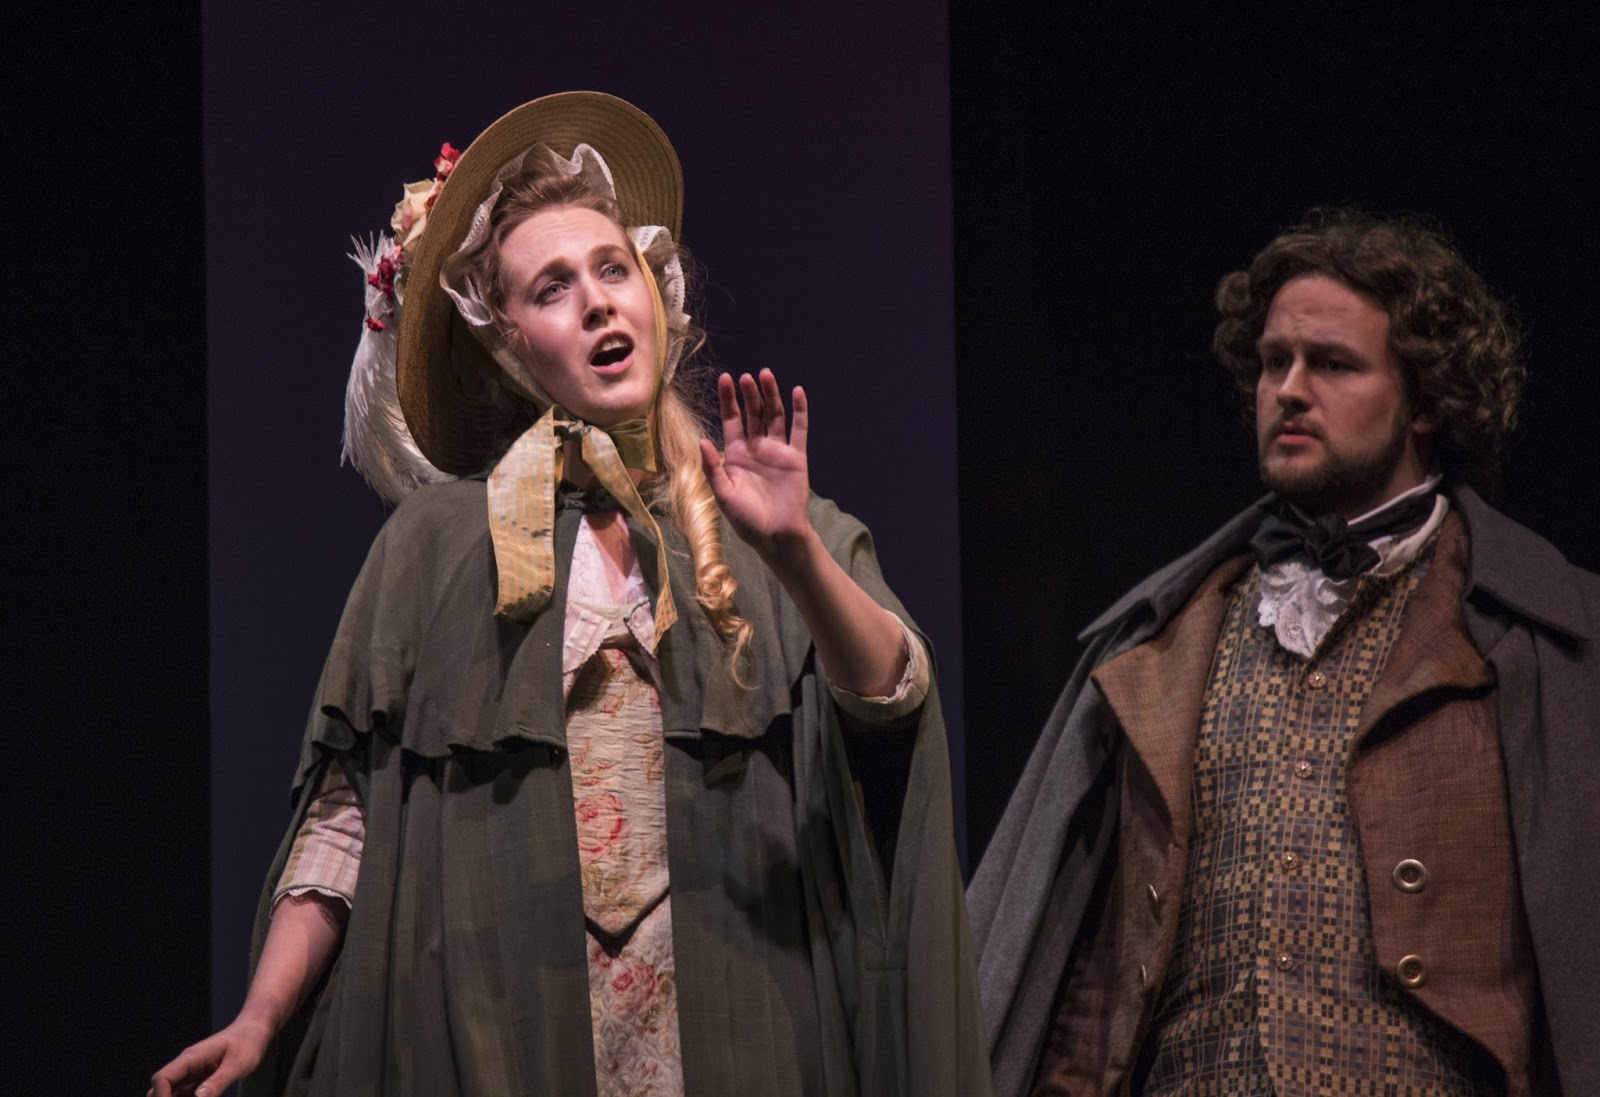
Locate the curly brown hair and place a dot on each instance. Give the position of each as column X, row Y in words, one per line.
column 1458, row 343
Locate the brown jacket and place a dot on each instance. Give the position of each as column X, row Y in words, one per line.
column 1531, row 616
column 1425, row 785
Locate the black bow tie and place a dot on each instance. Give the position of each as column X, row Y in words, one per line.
column 1338, row 549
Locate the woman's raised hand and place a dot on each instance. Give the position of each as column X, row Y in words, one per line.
column 763, row 487
column 761, row 480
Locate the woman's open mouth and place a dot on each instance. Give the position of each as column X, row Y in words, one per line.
column 612, row 354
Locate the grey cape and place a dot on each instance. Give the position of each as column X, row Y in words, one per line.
column 1532, row 616
column 819, row 930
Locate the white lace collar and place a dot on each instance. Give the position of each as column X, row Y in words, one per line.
column 1300, row 604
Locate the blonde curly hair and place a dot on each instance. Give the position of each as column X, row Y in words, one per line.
column 680, row 415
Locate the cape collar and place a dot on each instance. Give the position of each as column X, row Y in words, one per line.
column 1510, row 564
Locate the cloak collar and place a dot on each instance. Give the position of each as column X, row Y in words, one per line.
column 1520, row 570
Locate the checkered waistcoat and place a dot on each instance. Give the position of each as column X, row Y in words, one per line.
column 1382, row 777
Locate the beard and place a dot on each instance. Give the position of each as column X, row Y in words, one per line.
column 1339, row 481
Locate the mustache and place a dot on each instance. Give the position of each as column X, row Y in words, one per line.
column 1286, row 422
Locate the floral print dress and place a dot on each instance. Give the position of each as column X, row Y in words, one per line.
column 618, row 788
column 613, row 710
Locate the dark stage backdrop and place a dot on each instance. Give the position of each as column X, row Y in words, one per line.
column 104, row 782
column 815, row 153
column 1108, row 168
column 1111, row 164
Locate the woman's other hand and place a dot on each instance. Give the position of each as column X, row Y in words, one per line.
column 305, row 932
column 208, row 1068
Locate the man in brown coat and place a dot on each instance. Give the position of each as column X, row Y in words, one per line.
column 1317, row 812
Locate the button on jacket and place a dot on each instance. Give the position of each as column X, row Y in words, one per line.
column 1531, row 619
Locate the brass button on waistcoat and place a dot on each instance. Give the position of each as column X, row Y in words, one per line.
column 1291, row 860
column 1317, row 680
column 1144, row 978
column 1302, row 769
column 1155, row 899
column 1284, row 961
column 1411, row 971
column 1410, row 876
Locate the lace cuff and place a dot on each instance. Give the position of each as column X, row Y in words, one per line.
column 908, row 695
column 326, row 854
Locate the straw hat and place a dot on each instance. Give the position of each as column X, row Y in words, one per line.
column 456, row 430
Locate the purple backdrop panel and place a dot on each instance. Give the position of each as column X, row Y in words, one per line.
column 816, row 157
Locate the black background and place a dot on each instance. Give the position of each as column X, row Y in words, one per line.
column 1109, row 167
column 106, row 962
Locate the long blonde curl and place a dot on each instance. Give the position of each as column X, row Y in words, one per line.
column 678, row 432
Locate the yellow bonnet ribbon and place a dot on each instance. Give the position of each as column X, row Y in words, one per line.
column 522, row 493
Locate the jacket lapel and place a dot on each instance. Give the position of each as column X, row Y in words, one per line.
column 1157, row 689
column 1433, row 651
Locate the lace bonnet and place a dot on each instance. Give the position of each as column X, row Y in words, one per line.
column 420, row 403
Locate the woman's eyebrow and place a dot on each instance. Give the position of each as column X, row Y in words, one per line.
column 561, row 264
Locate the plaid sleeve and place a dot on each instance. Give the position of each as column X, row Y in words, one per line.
column 326, row 854
column 907, row 696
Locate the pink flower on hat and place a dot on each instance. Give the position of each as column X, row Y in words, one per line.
column 410, row 218
column 384, row 272
column 388, row 269
column 446, row 161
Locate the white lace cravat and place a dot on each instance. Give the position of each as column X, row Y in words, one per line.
column 1300, row 604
